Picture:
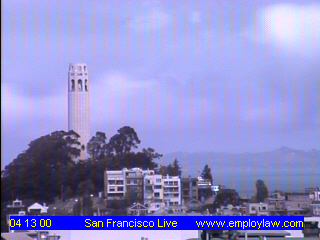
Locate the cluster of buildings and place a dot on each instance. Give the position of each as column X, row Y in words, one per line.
column 155, row 191
column 279, row 204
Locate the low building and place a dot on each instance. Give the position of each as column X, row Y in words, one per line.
column 315, row 196
column 29, row 235
column 156, row 208
column 137, row 209
column 276, row 202
column 257, row 209
column 193, row 205
column 16, row 208
column 36, row 209
column 315, row 209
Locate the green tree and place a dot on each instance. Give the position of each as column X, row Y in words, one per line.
column 176, row 167
column 67, row 193
column 226, row 197
column 206, row 173
column 85, row 188
column 123, row 142
column 151, row 153
column 36, row 173
column 173, row 169
column 262, row 191
column 96, row 147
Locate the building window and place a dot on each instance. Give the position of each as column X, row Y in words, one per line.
column 158, row 180
column 111, row 182
column 86, row 85
column 120, row 188
column 119, row 182
column 111, row 189
column 79, row 85
column 72, row 85
column 156, row 194
column 148, row 188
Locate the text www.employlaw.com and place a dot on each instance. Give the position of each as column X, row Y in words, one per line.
column 251, row 224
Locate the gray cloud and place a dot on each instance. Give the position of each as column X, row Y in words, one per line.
column 215, row 75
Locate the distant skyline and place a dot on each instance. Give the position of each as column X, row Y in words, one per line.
column 189, row 76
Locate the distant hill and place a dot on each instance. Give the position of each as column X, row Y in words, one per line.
column 281, row 167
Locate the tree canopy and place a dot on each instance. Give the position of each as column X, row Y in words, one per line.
column 225, row 197
column 96, row 147
column 123, row 142
column 206, row 173
column 262, row 191
column 47, row 168
column 36, row 172
column 173, row 169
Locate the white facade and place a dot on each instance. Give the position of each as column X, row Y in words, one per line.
column 78, row 104
column 118, row 183
column 257, row 209
column 115, row 187
column 153, row 189
column 158, row 188
column 38, row 207
column 315, row 196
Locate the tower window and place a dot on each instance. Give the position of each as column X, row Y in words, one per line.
column 79, row 68
column 85, row 68
column 85, row 85
column 72, row 85
column 79, row 85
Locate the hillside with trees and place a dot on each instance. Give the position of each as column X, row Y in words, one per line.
column 47, row 170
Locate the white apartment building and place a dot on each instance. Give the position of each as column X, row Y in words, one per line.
column 118, row 183
column 114, row 184
column 166, row 189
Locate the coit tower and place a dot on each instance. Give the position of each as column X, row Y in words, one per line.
column 78, row 104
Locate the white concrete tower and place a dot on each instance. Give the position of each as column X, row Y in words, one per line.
column 78, row 104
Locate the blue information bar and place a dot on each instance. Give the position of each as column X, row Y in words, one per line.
column 156, row 223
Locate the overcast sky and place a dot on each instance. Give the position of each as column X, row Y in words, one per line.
column 186, row 75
